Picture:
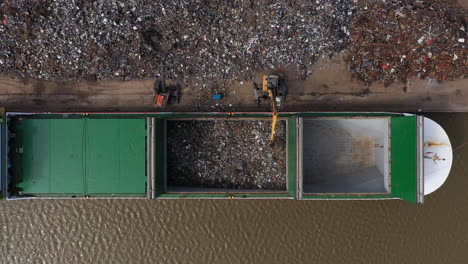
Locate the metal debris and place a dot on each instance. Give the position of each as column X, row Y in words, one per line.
column 399, row 39
column 226, row 154
column 127, row 39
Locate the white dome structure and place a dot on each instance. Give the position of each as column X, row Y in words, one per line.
column 438, row 156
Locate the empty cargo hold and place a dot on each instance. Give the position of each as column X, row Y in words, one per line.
column 345, row 155
column 215, row 155
column 78, row 157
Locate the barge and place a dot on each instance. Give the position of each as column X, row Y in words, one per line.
column 329, row 155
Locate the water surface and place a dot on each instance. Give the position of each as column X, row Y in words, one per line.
column 246, row 231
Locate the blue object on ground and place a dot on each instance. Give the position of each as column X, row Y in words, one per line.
column 217, row 96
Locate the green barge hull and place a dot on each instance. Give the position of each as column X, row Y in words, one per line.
column 123, row 155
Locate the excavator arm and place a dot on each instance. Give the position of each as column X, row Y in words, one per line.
column 274, row 120
column 270, row 85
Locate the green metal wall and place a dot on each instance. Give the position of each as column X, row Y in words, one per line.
column 403, row 158
column 67, row 157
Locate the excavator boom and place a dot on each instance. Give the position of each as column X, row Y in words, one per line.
column 274, row 108
column 273, row 88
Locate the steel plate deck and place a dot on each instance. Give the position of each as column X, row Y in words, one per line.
column 83, row 156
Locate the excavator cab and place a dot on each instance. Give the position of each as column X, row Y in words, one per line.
column 162, row 94
column 274, row 83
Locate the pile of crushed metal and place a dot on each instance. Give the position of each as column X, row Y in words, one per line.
column 108, row 39
column 395, row 40
column 226, row 154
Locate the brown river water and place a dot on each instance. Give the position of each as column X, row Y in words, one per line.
column 246, row 231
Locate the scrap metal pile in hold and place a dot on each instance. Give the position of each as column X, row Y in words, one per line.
column 128, row 39
column 396, row 40
column 226, row 154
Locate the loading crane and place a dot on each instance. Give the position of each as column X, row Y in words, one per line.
column 273, row 88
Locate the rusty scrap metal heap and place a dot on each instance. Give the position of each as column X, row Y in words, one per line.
column 396, row 40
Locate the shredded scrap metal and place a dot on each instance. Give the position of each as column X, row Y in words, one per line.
column 226, row 154
column 127, row 39
column 220, row 39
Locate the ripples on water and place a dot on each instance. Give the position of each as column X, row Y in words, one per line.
column 249, row 231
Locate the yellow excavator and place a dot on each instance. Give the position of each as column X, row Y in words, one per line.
column 274, row 89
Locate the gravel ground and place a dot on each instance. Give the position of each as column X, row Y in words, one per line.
column 129, row 39
column 226, row 154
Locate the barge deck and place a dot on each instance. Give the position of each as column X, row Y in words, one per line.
column 125, row 155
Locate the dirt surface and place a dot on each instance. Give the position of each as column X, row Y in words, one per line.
column 226, row 154
column 330, row 87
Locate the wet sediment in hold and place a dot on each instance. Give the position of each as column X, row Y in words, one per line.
column 226, row 154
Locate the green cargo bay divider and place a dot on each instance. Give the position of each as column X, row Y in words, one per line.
column 81, row 157
column 406, row 169
column 161, row 174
